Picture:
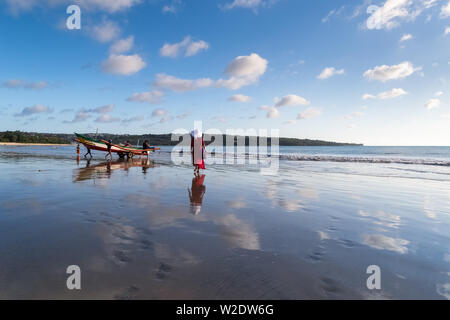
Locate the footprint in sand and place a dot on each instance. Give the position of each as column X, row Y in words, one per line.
column 145, row 244
column 121, row 256
column 129, row 294
column 348, row 243
column 317, row 255
column 330, row 287
column 164, row 271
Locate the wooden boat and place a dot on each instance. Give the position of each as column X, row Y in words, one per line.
column 122, row 151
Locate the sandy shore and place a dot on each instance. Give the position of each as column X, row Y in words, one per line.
column 31, row 144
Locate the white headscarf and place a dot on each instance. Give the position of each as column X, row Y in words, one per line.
column 196, row 133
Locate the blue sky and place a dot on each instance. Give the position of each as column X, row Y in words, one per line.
column 375, row 72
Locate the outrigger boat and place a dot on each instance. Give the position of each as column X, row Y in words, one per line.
column 122, row 151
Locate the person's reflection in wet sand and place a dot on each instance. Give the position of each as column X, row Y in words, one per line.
column 145, row 165
column 108, row 169
column 196, row 193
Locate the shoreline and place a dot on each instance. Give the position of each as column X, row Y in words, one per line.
column 32, row 144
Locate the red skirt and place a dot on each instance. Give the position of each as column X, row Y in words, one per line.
column 202, row 165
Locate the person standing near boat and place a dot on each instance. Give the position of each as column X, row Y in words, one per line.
column 198, row 150
column 146, row 146
column 108, row 146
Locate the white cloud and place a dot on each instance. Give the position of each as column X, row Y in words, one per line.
column 80, row 116
column 329, row 72
column 429, row 3
column 123, row 64
column 392, row 12
column 385, row 73
column 252, row 66
column 165, row 81
column 239, row 98
column 85, row 114
column 133, row 119
column 309, row 113
column 439, row 93
column 432, row 104
column 159, row 112
column 174, row 7
column 103, row 109
column 169, row 8
column 333, row 12
column 406, row 37
column 447, row 31
column 292, row 100
column 106, row 31
column 153, row 97
column 111, row 6
column 108, row 5
column 21, row 84
column 249, row 4
column 36, row 109
column 122, row 45
column 288, row 100
column 368, row 96
column 445, row 10
column 16, row 6
column 183, row 115
column 187, row 47
column 106, row 118
column 162, row 114
column 243, row 71
column 394, row 93
column 272, row 112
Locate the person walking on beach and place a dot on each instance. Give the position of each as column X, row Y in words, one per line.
column 198, row 151
column 88, row 153
column 109, row 145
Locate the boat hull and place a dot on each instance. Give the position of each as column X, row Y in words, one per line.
column 100, row 145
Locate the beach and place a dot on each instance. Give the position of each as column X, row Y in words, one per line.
column 150, row 229
column 31, row 144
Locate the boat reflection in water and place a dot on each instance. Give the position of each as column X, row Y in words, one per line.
column 196, row 193
column 105, row 169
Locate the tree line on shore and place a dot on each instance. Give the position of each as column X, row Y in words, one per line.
column 155, row 139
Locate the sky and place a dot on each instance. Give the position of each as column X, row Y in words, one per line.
column 372, row 72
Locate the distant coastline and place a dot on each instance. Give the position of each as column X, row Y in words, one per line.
column 34, row 138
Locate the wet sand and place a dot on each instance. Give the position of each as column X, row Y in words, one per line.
column 151, row 230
